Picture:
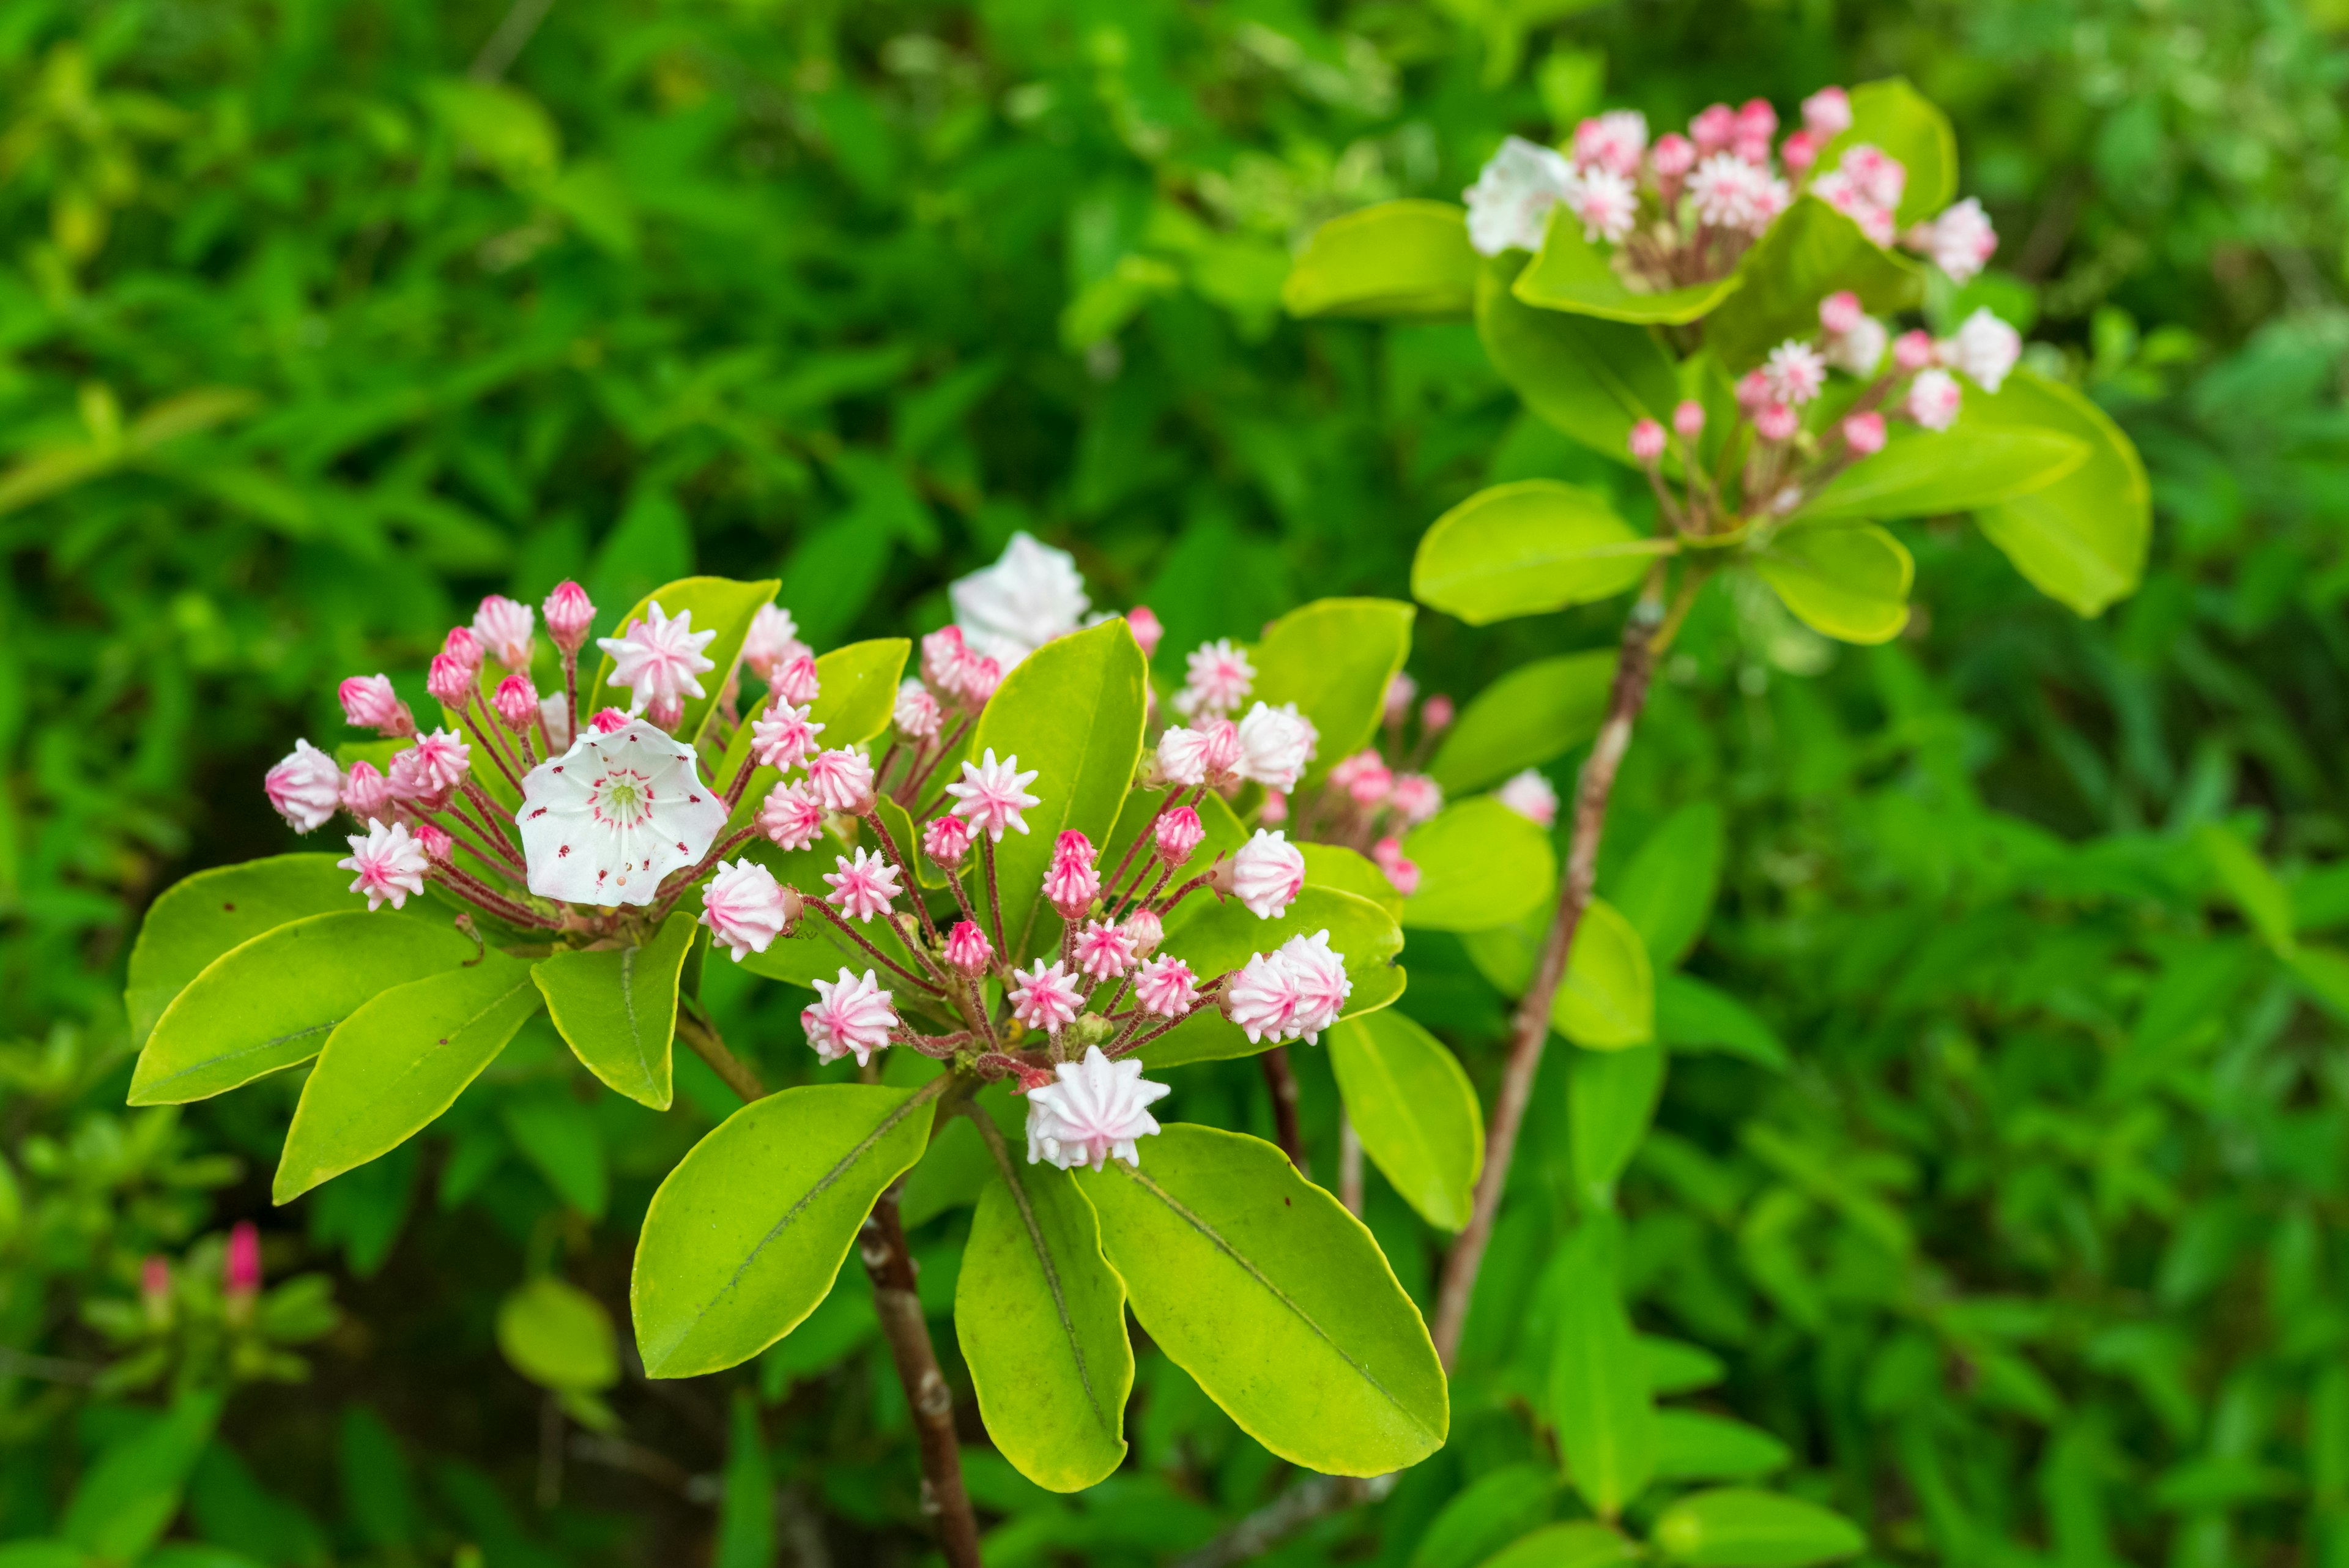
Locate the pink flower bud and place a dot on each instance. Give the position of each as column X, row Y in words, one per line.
column 369, row 703
column 609, row 720
column 1751, row 150
column 569, row 615
column 1142, row 622
column 980, row 677
column 796, row 682
column 665, row 712
column 516, row 700
column 504, row 626
column 1220, row 751
column 1177, row 833
column 1672, row 156
column 462, row 646
column 1756, row 118
column 1276, row 808
column 1840, row 312
column 1145, row 931
column 1435, row 713
column 1646, row 442
column 1933, row 399
column 1713, row 129
column 1776, row 422
column 366, row 794
column 304, row 788
column 1753, row 390
column 1400, row 869
column 243, row 1267
column 1913, row 351
column 1402, row 692
column 947, row 840
column 968, row 949
column 1827, row 113
column 1864, row 434
column 1688, row 419
column 1800, row 151
column 1072, row 883
column 438, row 845
column 843, row 781
column 789, row 816
column 451, row 681
column 942, row 655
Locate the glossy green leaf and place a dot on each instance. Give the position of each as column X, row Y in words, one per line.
column 1415, row 1111
column 1691, row 1445
column 1349, row 871
column 1612, row 1096
column 397, row 1063
column 1894, row 116
column 2266, row 902
column 128, row 1495
column 558, row 1336
column 617, row 1008
column 1263, row 1288
column 1581, row 1544
column 1570, row 272
column 1734, row 1528
column 747, row 1233
column 1405, row 258
column 1041, row 1317
column 1593, row 380
column 2081, row 541
column 1071, row 712
column 1607, row 1001
column 856, row 690
column 1216, row 936
column 1333, row 658
column 1480, row 865
column 1925, row 473
column 1492, row 1509
column 1539, row 711
column 1676, row 1367
column 1848, row 581
column 270, row 1002
column 1527, row 547
column 719, row 604
column 1667, row 891
column 2325, row 971
column 1693, row 1016
column 1599, row 1388
column 1809, row 253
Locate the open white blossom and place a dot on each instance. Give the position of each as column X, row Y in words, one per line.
column 1508, row 206
column 1093, row 1113
column 605, row 821
column 1032, row 595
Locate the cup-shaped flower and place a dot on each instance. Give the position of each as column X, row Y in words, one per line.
column 504, row 626
column 605, row 821
column 968, row 949
column 1165, row 986
column 1220, row 679
column 1103, row 952
column 917, row 712
column 947, row 840
column 660, row 656
column 991, row 796
column 1045, row 997
column 1095, row 1113
column 783, row 738
column 1265, row 874
column 772, row 641
column 1177, row 833
column 1275, row 744
column 841, row 780
column 1072, row 883
column 389, row 864
column 1321, row 983
column 1531, row 796
column 306, row 788
column 746, row 909
column 862, row 887
column 569, row 613
column 851, row 1013
column 369, row 703
column 1263, row 999
column 790, row 817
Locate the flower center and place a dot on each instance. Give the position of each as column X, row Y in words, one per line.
column 622, row 798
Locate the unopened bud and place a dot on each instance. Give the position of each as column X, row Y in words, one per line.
column 569, row 615
column 242, row 1272
column 795, row 682
column 155, row 1290
column 968, row 949
column 1435, row 713
column 1776, row 422
column 1143, row 623
column 369, row 703
column 503, row 627
column 517, row 701
column 609, row 720
column 1864, row 434
column 1178, row 834
column 450, row 680
column 462, row 646
column 1687, row 419
column 1800, row 151
column 947, row 840
column 1913, row 351
column 1144, row 928
column 437, row 845
column 366, row 794
column 665, row 712
column 1647, row 442
column 1072, row 883
column 1276, row 808
column 1840, row 312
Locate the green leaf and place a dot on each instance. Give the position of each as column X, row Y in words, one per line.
column 1599, row 1387
column 1527, row 547
column 1810, row 253
column 1591, row 378
column 719, row 604
column 1924, row 474
column 131, row 1493
column 617, row 1008
column 1041, row 1317
column 1397, row 258
column 1733, row 1528
column 1480, row 865
column 2082, row 540
column 1349, row 871
column 2325, row 971
column 270, row 1002
column 1693, row 1016
column 1848, row 581
column 746, row 1512
column 558, row 1336
column 1581, row 1544
column 397, row 1063
column 1491, row 1510
column 199, row 918
column 1537, row 712
column 1675, row 1366
column 1607, row 1001
column 746, row 1235
column 1263, row 1288
column 1612, row 1096
column 1333, row 658
column 856, row 690
column 1415, row 1111
column 1073, row 712
column 1217, row 936
column 1896, row 117
column 2266, row 903
column 561, row 1138
column 1694, row 1445
column 1667, row 889
column 1570, row 272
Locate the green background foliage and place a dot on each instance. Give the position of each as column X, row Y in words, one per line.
column 1997, row 1133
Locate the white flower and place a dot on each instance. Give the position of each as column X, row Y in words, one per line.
column 1220, row 678
column 659, row 658
column 1607, row 203
column 1262, row 1000
column 1095, row 1113
column 390, row 864
column 851, row 1013
column 605, row 821
column 1015, row 607
column 745, row 907
column 305, row 789
column 1275, row 745
column 1508, row 206
column 1861, row 350
column 1265, row 874
column 1934, row 398
column 1983, row 348
column 1531, row 796
column 1321, row 986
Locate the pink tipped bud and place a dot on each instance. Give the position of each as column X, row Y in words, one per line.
column 1177, row 835
column 451, row 681
column 968, row 949
column 569, row 615
column 436, row 844
column 1688, row 419
column 1142, row 622
column 1033, row 1078
column 1435, row 713
column 1713, row 129
column 1798, row 152
column 243, row 1275
column 1913, row 351
column 1753, row 149
column 947, row 840
column 1647, row 442
column 1827, row 113
column 1672, row 156
column 462, row 646
column 1776, row 422
column 1072, row 883
column 796, row 682
column 1840, row 312
column 516, row 700
column 1145, row 931
column 790, row 817
column 1756, row 118
column 1400, row 869
column 665, row 712
column 1402, row 692
column 366, row 794
column 609, row 720
column 1276, row 808
column 369, row 703
column 841, row 780
column 942, row 655
column 980, row 677
column 155, row 1290
column 1864, row 434
column 1753, row 390
column 503, row 626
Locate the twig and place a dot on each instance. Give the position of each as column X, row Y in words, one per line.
column 1281, row 1079
column 504, row 47
column 1284, row 1516
column 49, row 1368
column 1350, row 1166
column 881, row 1246
column 706, row 1044
column 550, row 1449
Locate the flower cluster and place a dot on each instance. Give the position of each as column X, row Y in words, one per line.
column 1681, row 209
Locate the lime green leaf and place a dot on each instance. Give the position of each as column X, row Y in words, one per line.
column 558, row 1336
column 1591, row 378
column 1733, row 1528
column 1694, row 1445
column 1041, row 1321
column 1333, row 658
column 1537, row 712
column 397, row 1063
column 1612, row 1096
column 1693, row 1016
column 1570, row 272
column 1492, row 1509
column 1217, row 936
column 2082, row 540
column 617, row 1008
column 1581, row 1544
column 2325, row 971
column 1923, row 473
column 1480, row 865
column 1607, row 1001
column 502, row 125
column 1809, row 253
column 719, row 604
column 1397, row 258
column 1676, row 1367
column 127, row 1497
column 1896, row 117
column 1415, row 1111
column 856, row 690
column 1599, row 1390
column 747, row 1234
column 1667, row 889
column 270, row 1002
column 1349, row 871
column 1848, row 581
column 1073, row 712
column 2265, row 902
column 1262, row 1287
column 1525, row 548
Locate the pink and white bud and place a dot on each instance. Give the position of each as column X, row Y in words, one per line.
column 1364, row 777
column 1755, row 118
column 1103, row 952
column 783, row 738
column 1400, row 869
column 1796, row 372
column 772, row 641
column 947, row 840
column 1435, row 714
column 1177, row 833
column 660, row 656
column 842, row 781
column 1265, row 874
column 789, row 816
column 1732, row 193
column 992, row 796
column 503, row 627
column 1612, row 141
column 1715, row 128
column 665, row 712
column 851, row 1013
column 1961, row 240
column 1933, row 399
column 440, row 847
column 1646, row 442
column 241, row 1269
column 369, row 703
column 1275, row 809
column 1183, row 757
column 981, row 674
column 1166, row 987
column 942, row 656
column 388, row 863
column 1861, row 350
column 1221, row 677
column 1776, row 422
column 1263, row 999
column 1688, row 419
column 1402, row 692
column 1531, row 796
column 1045, row 997
column 462, row 646
column 1752, row 391
column 1800, row 151
column 1751, row 151
column 1864, row 434
column 1143, row 621
column 366, row 794
column 863, row 887
column 746, row 909
column 1095, row 1113
column 610, row 721
column 1414, row 798
column 1321, row 983
column 1672, row 156
column 569, row 615
column 1072, row 882
column 1840, row 312
column 1912, row 352
column 451, row 681
column 796, row 682
column 1275, row 745
column 1827, row 113
column 516, row 700
column 968, row 949
column 1983, row 349
column 1881, row 177
column 1144, row 930
column 916, row 714
column 306, row 788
